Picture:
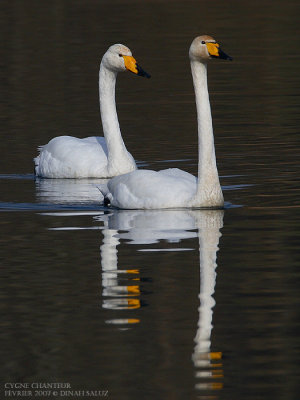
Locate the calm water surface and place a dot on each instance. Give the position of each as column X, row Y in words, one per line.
column 174, row 304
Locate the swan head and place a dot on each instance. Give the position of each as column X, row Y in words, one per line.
column 118, row 58
column 204, row 48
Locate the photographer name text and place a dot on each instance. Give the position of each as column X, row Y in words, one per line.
column 48, row 389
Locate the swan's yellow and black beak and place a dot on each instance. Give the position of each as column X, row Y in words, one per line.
column 215, row 51
column 132, row 66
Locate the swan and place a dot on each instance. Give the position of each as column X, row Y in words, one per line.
column 94, row 157
column 174, row 188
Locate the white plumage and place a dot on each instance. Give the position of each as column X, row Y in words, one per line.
column 174, row 188
column 94, row 157
column 146, row 189
column 71, row 157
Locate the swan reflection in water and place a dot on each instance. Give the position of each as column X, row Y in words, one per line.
column 121, row 288
column 149, row 227
column 117, row 295
column 68, row 191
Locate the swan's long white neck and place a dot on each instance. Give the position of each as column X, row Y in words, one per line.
column 209, row 193
column 117, row 153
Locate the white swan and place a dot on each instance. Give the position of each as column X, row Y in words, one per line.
column 94, row 157
column 173, row 188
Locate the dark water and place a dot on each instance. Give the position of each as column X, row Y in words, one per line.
column 173, row 304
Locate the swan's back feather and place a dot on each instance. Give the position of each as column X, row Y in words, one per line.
column 146, row 189
column 70, row 157
column 179, row 173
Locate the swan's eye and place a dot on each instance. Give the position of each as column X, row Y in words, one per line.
column 120, row 55
column 203, row 42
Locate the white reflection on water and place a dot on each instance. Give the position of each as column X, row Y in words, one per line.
column 136, row 227
column 117, row 296
column 121, row 288
column 152, row 226
column 208, row 364
column 68, row 191
column 149, row 227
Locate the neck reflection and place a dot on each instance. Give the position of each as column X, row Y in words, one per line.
column 120, row 288
column 208, row 364
column 149, row 227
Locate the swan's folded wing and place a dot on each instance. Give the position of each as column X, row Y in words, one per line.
column 70, row 157
column 144, row 189
column 178, row 173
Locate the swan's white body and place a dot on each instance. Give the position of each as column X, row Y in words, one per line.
column 71, row 157
column 173, row 188
column 94, row 157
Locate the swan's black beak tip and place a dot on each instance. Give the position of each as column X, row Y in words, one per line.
column 141, row 72
column 224, row 56
column 145, row 75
